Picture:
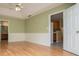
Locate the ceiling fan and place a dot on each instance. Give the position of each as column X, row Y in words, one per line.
column 18, row 7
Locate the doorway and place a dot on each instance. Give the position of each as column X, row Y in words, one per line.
column 4, row 33
column 57, row 29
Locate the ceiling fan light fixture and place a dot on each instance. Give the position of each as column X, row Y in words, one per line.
column 18, row 7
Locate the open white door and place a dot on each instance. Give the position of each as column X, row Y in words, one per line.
column 71, row 29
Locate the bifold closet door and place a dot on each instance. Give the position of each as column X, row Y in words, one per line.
column 71, row 29
column 76, row 28
column 68, row 30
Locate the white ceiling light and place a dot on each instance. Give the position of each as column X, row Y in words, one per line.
column 18, row 7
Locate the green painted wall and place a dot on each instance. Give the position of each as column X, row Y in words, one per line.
column 15, row 25
column 36, row 24
column 39, row 23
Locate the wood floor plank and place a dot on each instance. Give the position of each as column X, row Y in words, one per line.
column 30, row 49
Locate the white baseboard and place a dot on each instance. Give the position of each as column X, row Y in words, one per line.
column 39, row 38
column 13, row 37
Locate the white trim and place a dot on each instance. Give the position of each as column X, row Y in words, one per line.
column 49, row 20
column 38, row 38
column 13, row 37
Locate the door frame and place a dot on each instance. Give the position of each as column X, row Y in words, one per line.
column 49, row 20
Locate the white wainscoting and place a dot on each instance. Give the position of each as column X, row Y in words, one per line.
column 39, row 38
column 13, row 37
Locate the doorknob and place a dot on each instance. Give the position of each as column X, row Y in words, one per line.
column 77, row 31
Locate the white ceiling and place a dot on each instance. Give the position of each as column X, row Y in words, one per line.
column 8, row 9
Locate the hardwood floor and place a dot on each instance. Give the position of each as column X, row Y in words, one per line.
column 30, row 49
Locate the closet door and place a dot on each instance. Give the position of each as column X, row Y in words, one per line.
column 68, row 30
column 76, row 28
column 71, row 29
